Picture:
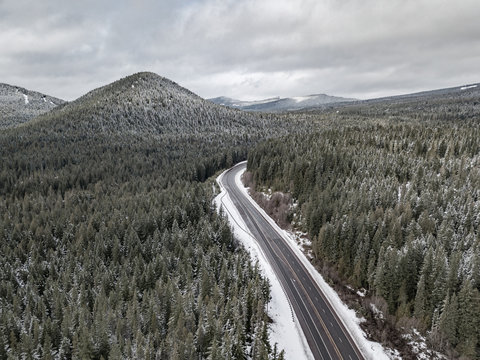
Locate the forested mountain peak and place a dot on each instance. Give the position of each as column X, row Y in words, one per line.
column 148, row 84
column 146, row 103
column 149, row 113
column 19, row 105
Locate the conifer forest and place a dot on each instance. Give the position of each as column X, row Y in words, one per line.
column 111, row 248
column 391, row 203
column 110, row 245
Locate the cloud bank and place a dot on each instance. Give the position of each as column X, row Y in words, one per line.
column 244, row 49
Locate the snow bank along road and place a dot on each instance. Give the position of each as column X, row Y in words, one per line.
column 324, row 331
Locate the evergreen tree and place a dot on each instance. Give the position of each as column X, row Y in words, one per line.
column 448, row 321
column 468, row 305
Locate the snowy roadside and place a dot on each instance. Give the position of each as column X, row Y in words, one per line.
column 285, row 329
column 371, row 350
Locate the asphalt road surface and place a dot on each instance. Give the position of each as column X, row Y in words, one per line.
column 325, row 333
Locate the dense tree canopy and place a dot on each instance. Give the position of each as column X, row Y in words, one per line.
column 394, row 208
column 110, row 247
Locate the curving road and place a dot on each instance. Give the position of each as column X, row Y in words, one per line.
column 325, row 333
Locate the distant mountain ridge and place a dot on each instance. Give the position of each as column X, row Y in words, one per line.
column 226, row 101
column 464, row 91
column 278, row 104
column 459, row 101
column 19, row 105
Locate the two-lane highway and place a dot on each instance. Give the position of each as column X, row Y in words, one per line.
column 324, row 332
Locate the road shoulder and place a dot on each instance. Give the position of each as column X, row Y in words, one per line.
column 370, row 350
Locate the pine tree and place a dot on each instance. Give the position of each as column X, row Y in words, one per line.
column 115, row 352
column 65, row 349
column 227, row 346
column 440, row 269
column 215, row 351
column 449, row 319
column 420, row 310
column 82, row 344
column 3, row 343
column 468, row 305
column 47, row 348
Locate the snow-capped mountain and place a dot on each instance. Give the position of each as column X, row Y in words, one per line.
column 281, row 104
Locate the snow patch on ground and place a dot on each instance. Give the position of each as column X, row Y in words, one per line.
column 468, row 87
column 362, row 292
column 259, row 102
column 285, row 329
column 303, row 241
column 26, row 99
column 300, row 98
column 376, row 311
column 419, row 346
column 393, row 354
column 371, row 350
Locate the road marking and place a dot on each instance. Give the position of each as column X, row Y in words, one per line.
column 281, row 247
column 316, row 328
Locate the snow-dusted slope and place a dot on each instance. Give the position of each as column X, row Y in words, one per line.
column 19, row 105
column 239, row 104
column 148, row 104
column 281, row 104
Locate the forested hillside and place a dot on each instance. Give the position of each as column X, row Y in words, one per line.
column 19, row 105
column 109, row 244
column 392, row 205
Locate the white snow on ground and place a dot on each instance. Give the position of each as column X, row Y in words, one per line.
column 259, row 102
column 26, row 99
column 393, row 354
column 468, row 87
column 370, row 349
column 378, row 313
column 285, row 329
column 300, row 98
column 362, row 292
column 304, row 242
column 419, row 346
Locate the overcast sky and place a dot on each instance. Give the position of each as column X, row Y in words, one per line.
column 245, row 49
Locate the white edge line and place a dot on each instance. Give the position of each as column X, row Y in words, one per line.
column 242, row 227
column 353, row 329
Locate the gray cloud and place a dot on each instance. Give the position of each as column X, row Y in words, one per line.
column 245, row 48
